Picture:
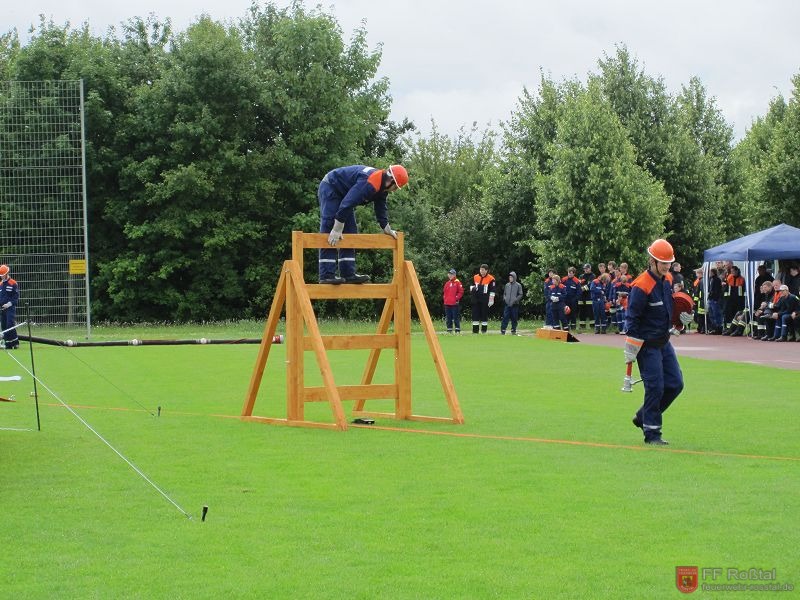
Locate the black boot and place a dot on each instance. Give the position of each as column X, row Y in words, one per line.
column 356, row 278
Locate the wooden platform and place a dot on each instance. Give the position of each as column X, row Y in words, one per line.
column 555, row 334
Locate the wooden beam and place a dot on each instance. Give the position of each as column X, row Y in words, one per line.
column 307, row 311
column 317, row 291
column 433, row 343
column 366, row 241
column 353, row 392
column 352, row 342
column 266, row 343
column 288, row 423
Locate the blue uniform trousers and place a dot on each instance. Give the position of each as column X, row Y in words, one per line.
column 8, row 320
column 663, row 381
column 329, row 257
column 599, row 309
column 510, row 313
column 453, row 315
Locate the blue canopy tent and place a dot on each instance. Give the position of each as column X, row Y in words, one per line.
column 781, row 242
column 776, row 243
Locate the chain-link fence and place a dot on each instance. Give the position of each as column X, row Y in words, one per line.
column 43, row 236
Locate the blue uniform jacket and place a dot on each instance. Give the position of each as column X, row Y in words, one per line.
column 573, row 285
column 9, row 292
column 649, row 312
column 350, row 186
column 598, row 290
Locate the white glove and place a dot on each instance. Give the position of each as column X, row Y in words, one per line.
column 553, row 298
column 632, row 347
column 336, row 233
column 686, row 318
column 6, row 305
column 389, row 231
column 491, row 299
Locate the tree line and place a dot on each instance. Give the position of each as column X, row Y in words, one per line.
column 205, row 148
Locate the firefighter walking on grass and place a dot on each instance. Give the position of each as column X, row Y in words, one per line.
column 648, row 321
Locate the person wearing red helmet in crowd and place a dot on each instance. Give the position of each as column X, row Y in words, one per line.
column 340, row 191
column 9, row 296
column 648, row 321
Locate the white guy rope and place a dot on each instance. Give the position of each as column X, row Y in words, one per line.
column 104, row 440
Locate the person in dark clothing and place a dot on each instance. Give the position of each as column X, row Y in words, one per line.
column 648, row 323
column 482, row 290
column 512, row 296
column 585, row 310
column 786, row 305
column 9, row 297
column 792, row 280
column 763, row 275
column 714, row 298
column 340, row 191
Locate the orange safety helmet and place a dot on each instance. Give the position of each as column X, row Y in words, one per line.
column 399, row 174
column 4, row 270
column 662, row 251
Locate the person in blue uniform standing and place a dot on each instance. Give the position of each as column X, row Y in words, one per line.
column 648, row 320
column 598, row 289
column 340, row 191
column 9, row 297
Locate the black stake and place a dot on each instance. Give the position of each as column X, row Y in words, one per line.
column 205, row 511
column 33, row 369
column 159, row 411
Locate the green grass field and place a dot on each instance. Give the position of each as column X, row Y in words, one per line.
column 545, row 492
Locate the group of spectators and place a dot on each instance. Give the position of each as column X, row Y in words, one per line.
column 482, row 290
column 587, row 301
column 775, row 312
column 596, row 301
column 593, row 301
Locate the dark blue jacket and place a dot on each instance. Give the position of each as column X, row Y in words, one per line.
column 598, row 290
column 9, row 292
column 649, row 313
column 345, row 188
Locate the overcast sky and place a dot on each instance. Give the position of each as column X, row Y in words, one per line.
column 459, row 62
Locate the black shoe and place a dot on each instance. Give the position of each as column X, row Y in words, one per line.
column 656, row 442
column 781, row 339
column 334, row 280
column 356, row 278
column 636, row 422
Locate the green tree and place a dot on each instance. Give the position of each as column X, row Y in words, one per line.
column 780, row 186
column 595, row 200
column 443, row 211
column 751, row 158
column 665, row 146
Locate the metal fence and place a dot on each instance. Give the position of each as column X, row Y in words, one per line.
column 43, row 220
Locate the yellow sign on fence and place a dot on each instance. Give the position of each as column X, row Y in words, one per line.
column 77, row 266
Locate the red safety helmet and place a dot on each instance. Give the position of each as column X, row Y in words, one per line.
column 662, row 251
column 399, row 174
column 567, row 310
column 4, row 270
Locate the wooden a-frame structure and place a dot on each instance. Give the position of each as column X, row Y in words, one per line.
column 296, row 295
